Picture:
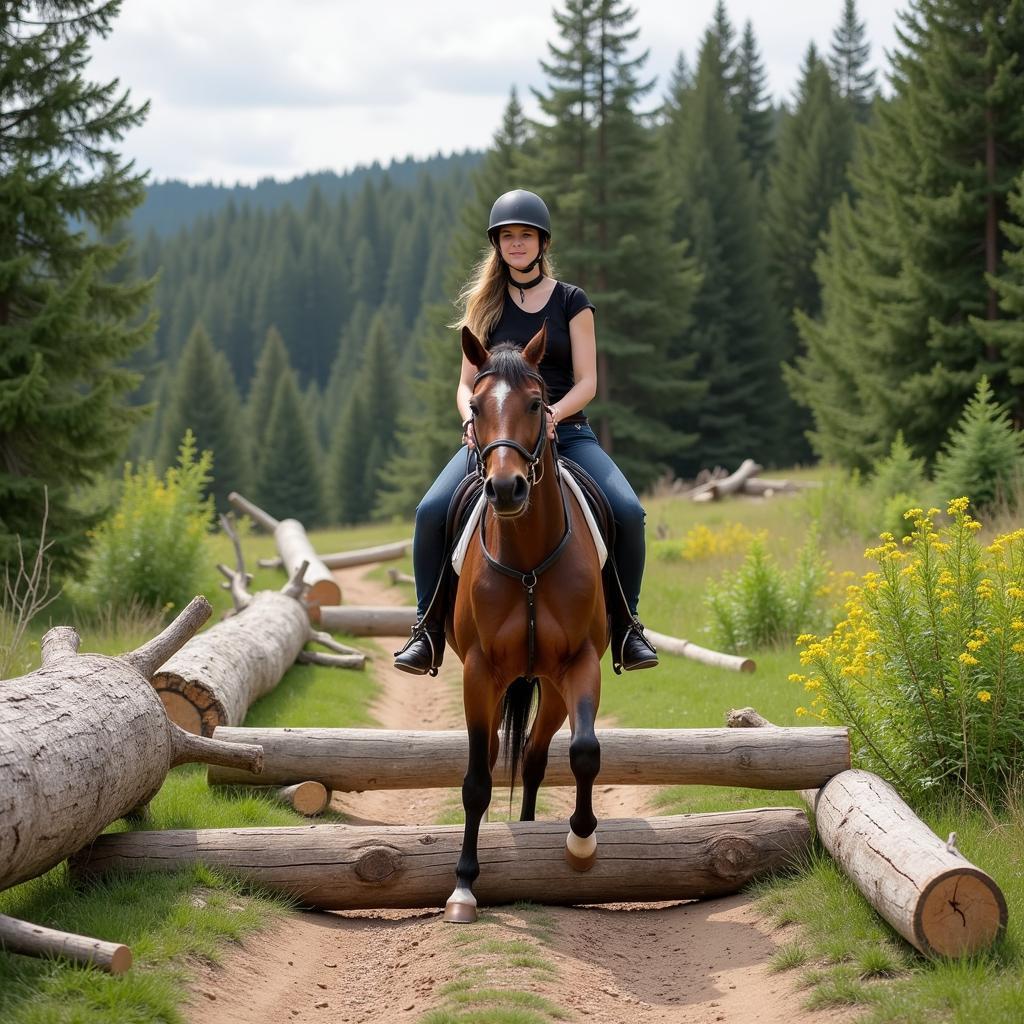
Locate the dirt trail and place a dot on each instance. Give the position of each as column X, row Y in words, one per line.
column 672, row 963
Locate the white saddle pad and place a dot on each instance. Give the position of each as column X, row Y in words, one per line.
column 459, row 554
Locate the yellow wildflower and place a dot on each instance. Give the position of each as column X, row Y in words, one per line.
column 984, row 696
column 968, row 659
column 801, row 711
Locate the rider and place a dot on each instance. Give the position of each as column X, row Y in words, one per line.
column 509, row 297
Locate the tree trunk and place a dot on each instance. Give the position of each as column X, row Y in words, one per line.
column 362, row 759
column 84, row 740
column 294, row 548
column 341, row 867
column 215, row 678
column 368, row 620
column 924, row 887
column 34, row 940
column 688, row 649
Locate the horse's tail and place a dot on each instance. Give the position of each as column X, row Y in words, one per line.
column 515, row 714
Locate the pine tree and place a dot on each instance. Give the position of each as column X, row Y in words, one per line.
column 272, row 365
column 753, row 107
column 815, row 145
column 984, row 455
column 65, row 324
column 734, row 332
column 596, row 165
column 288, row 474
column 203, row 399
column 907, row 272
column 848, row 62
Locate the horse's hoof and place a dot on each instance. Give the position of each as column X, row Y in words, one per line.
column 460, row 908
column 580, row 854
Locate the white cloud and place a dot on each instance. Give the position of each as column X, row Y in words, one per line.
column 242, row 90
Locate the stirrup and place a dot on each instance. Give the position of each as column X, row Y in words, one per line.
column 646, row 657
column 420, row 632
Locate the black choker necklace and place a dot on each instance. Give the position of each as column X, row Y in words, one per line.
column 521, row 285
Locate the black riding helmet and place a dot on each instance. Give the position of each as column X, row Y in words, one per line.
column 519, row 207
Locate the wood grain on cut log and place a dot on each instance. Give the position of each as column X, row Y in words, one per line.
column 294, row 547
column 362, row 759
column 924, row 887
column 84, row 740
column 34, row 940
column 217, row 676
column 341, row 867
column 688, row 649
column 306, row 798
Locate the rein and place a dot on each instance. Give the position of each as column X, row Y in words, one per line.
column 527, row 579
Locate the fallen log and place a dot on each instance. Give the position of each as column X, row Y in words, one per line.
column 718, row 488
column 350, row 559
column 396, row 576
column 760, row 487
column 84, row 740
column 294, row 547
column 219, row 674
column 342, row 867
column 688, row 649
column 35, row 940
column 368, row 620
column 307, row 798
column 925, row 888
column 350, row 760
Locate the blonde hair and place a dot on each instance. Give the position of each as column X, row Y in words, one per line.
column 482, row 297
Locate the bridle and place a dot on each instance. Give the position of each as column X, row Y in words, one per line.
column 532, row 458
column 527, row 579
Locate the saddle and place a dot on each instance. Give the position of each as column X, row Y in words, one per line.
column 466, row 507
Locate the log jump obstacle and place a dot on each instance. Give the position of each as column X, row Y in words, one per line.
column 353, row 760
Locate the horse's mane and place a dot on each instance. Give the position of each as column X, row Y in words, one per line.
column 506, row 362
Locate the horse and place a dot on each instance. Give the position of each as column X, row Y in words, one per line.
column 529, row 617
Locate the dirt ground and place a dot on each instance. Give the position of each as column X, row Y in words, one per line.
column 670, row 963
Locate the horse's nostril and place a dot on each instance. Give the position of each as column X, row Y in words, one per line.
column 520, row 490
column 489, row 490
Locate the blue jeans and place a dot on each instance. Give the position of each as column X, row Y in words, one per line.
column 575, row 441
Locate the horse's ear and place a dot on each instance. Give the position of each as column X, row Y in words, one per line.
column 534, row 351
column 475, row 352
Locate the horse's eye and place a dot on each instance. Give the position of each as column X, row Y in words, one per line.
column 473, row 410
column 535, row 405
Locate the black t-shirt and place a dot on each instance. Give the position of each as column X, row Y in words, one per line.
column 518, row 326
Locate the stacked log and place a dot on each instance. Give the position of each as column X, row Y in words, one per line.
column 341, row 867
column 350, row 760
column 924, row 887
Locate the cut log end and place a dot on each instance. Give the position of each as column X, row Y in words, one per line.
column 322, row 594
column 961, row 912
column 307, row 798
column 189, row 705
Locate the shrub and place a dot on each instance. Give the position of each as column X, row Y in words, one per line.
column 897, row 482
column 837, row 508
column 983, row 455
column 760, row 604
column 927, row 668
column 702, row 542
column 149, row 551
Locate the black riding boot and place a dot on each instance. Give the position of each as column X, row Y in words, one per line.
column 424, row 650
column 630, row 647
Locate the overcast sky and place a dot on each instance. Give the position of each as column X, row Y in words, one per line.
column 244, row 90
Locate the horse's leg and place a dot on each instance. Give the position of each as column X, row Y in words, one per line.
column 481, row 703
column 550, row 716
column 581, row 687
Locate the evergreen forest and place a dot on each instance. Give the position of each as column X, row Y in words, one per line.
column 792, row 280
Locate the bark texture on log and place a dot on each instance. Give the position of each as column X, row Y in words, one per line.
column 688, row 649
column 932, row 895
column 361, row 759
column 296, row 548
column 924, row 887
column 84, row 740
column 219, row 674
column 35, row 940
column 368, row 620
column 340, row 867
